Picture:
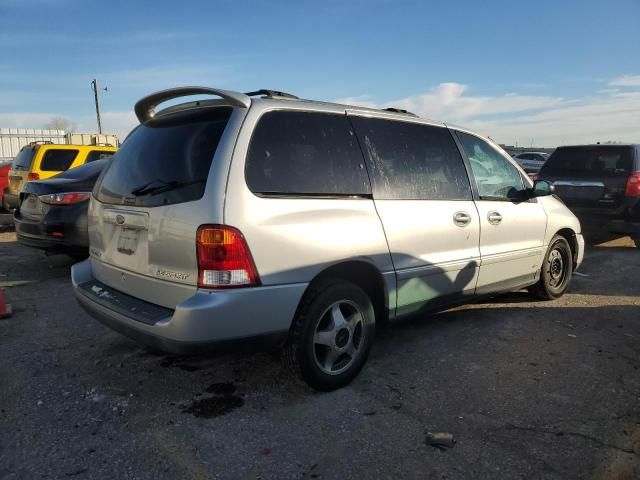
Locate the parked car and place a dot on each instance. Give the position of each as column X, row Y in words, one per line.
column 531, row 162
column 308, row 223
column 4, row 182
column 39, row 161
column 52, row 214
column 600, row 184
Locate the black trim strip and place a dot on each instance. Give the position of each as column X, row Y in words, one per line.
column 124, row 304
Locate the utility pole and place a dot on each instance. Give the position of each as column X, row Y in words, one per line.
column 94, row 87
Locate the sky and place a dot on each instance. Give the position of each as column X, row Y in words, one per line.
column 542, row 73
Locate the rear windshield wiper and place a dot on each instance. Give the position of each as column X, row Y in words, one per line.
column 163, row 186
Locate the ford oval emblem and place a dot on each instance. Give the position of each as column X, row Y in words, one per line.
column 119, row 219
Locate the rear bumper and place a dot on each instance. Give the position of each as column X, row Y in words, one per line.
column 205, row 321
column 624, row 227
column 71, row 222
column 623, row 220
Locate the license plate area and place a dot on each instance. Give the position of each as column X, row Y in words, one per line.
column 14, row 184
column 128, row 240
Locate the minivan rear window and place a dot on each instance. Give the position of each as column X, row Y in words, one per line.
column 24, row 158
column 57, row 160
column 165, row 160
column 589, row 162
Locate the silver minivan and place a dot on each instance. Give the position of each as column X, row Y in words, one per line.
column 304, row 223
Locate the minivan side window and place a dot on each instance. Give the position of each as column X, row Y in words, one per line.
column 495, row 176
column 412, row 161
column 57, row 160
column 305, row 153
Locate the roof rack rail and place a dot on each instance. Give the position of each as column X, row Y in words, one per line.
column 39, row 142
column 272, row 94
column 399, row 110
column 104, row 144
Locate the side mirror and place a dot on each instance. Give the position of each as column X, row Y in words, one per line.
column 542, row 188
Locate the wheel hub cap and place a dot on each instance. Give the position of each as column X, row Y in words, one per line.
column 338, row 337
column 556, row 264
column 557, row 267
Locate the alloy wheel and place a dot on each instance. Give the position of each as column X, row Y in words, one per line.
column 338, row 337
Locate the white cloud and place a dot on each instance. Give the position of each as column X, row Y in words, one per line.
column 25, row 119
column 448, row 100
column 607, row 114
column 626, row 81
column 510, row 118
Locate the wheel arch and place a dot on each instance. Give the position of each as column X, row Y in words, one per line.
column 570, row 236
column 362, row 273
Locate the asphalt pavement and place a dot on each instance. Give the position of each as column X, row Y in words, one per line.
column 527, row 389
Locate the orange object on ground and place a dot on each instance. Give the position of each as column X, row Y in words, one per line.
column 5, row 308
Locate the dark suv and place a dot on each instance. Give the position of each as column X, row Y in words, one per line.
column 600, row 184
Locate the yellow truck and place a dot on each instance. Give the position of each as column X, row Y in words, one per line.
column 41, row 160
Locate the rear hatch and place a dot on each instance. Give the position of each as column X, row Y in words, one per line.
column 591, row 178
column 149, row 204
column 21, row 168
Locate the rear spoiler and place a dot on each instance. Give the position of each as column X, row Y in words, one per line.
column 145, row 107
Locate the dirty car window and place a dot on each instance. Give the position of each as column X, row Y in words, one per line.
column 412, row 161
column 305, row 153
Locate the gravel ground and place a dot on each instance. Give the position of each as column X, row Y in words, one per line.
column 529, row 390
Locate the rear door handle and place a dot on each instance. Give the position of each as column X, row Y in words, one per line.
column 494, row 218
column 461, row 219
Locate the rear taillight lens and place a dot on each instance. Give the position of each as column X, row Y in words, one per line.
column 33, row 176
column 67, row 198
column 224, row 259
column 633, row 186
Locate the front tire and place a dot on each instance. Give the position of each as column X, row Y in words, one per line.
column 556, row 271
column 332, row 334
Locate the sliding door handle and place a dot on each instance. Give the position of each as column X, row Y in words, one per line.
column 461, row 219
column 494, row 218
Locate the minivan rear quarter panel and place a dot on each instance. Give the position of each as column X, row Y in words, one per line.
column 293, row 238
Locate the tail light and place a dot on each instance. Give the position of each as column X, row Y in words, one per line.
column 33, row 176
column 633, row 186
column 67, row 198
column 224, row 259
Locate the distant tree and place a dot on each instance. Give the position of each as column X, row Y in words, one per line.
column 59, row 123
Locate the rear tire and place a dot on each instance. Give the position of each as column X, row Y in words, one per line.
column 556, row 271
column 332, row 334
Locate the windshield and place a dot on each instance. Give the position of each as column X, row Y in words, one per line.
column 172, row 155
column 24, row 158
column 589, row 161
